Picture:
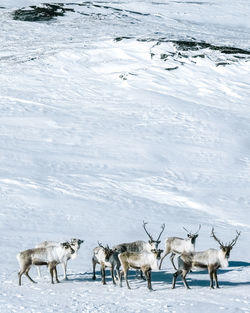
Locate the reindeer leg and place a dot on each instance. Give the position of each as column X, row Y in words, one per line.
column 113, row 276
column 27, row 274
column 55, row 274
column 20, row 276
column 172, row 260
column 64, row 266
column 141, row 274
column 210, row 271
column 175, row 275
column 126, row 278
column 30, row 278
column 184, row 274
column 162, row 260
column 163, row 257
column 216, row 279
column 119, row 275
column 148, row 276
column 211, row 274
column 94, row 265
column 51, row 270
column 103, row 274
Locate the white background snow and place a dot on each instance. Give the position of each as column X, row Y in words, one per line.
column 97, row 136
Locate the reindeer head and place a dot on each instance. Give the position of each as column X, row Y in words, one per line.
column 157, row 253
column 76, row 242
column 107, row 251
column 226, row 248
column 67, row 247
column 75, row 245
column 191, row 235
column 152, row 242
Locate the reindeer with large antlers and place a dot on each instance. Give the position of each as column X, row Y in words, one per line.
column 178, row 245
column 210, row 259
column 140, row 245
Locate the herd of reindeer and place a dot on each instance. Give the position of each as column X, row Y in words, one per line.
column 139, row 255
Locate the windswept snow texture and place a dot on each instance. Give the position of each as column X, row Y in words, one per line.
column 116, row 112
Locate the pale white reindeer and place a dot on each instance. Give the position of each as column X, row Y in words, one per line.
column 210, row 259
column 106, row 257
column 145, row 261
column 140, row 245
column 50, row 256
column 177, row 245
column 75, row 245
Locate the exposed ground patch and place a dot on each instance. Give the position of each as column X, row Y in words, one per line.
column 180, row 52
column 44, row 12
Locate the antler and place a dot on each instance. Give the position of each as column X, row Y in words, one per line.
column 213, row 235
column 186, row 230
column 235, row 239
column 198, row 229
column 162, row 227
column 144, row 226
column 100, row 245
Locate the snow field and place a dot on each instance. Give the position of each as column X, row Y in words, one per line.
column 97, row 135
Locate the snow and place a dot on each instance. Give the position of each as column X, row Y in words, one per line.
column 106, row 122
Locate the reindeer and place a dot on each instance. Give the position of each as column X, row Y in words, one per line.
column 50, row 256
column 75, row 245
column 106, row 257
column 178, row 245
column 145, row 261
column 113, row 259
column 115, row 265
column 211, row 259
column 140, row 245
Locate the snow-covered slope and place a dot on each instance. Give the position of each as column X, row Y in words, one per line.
column 118, row 112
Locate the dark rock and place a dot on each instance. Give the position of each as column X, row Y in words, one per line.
column 171, row 68
column 45, row 12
